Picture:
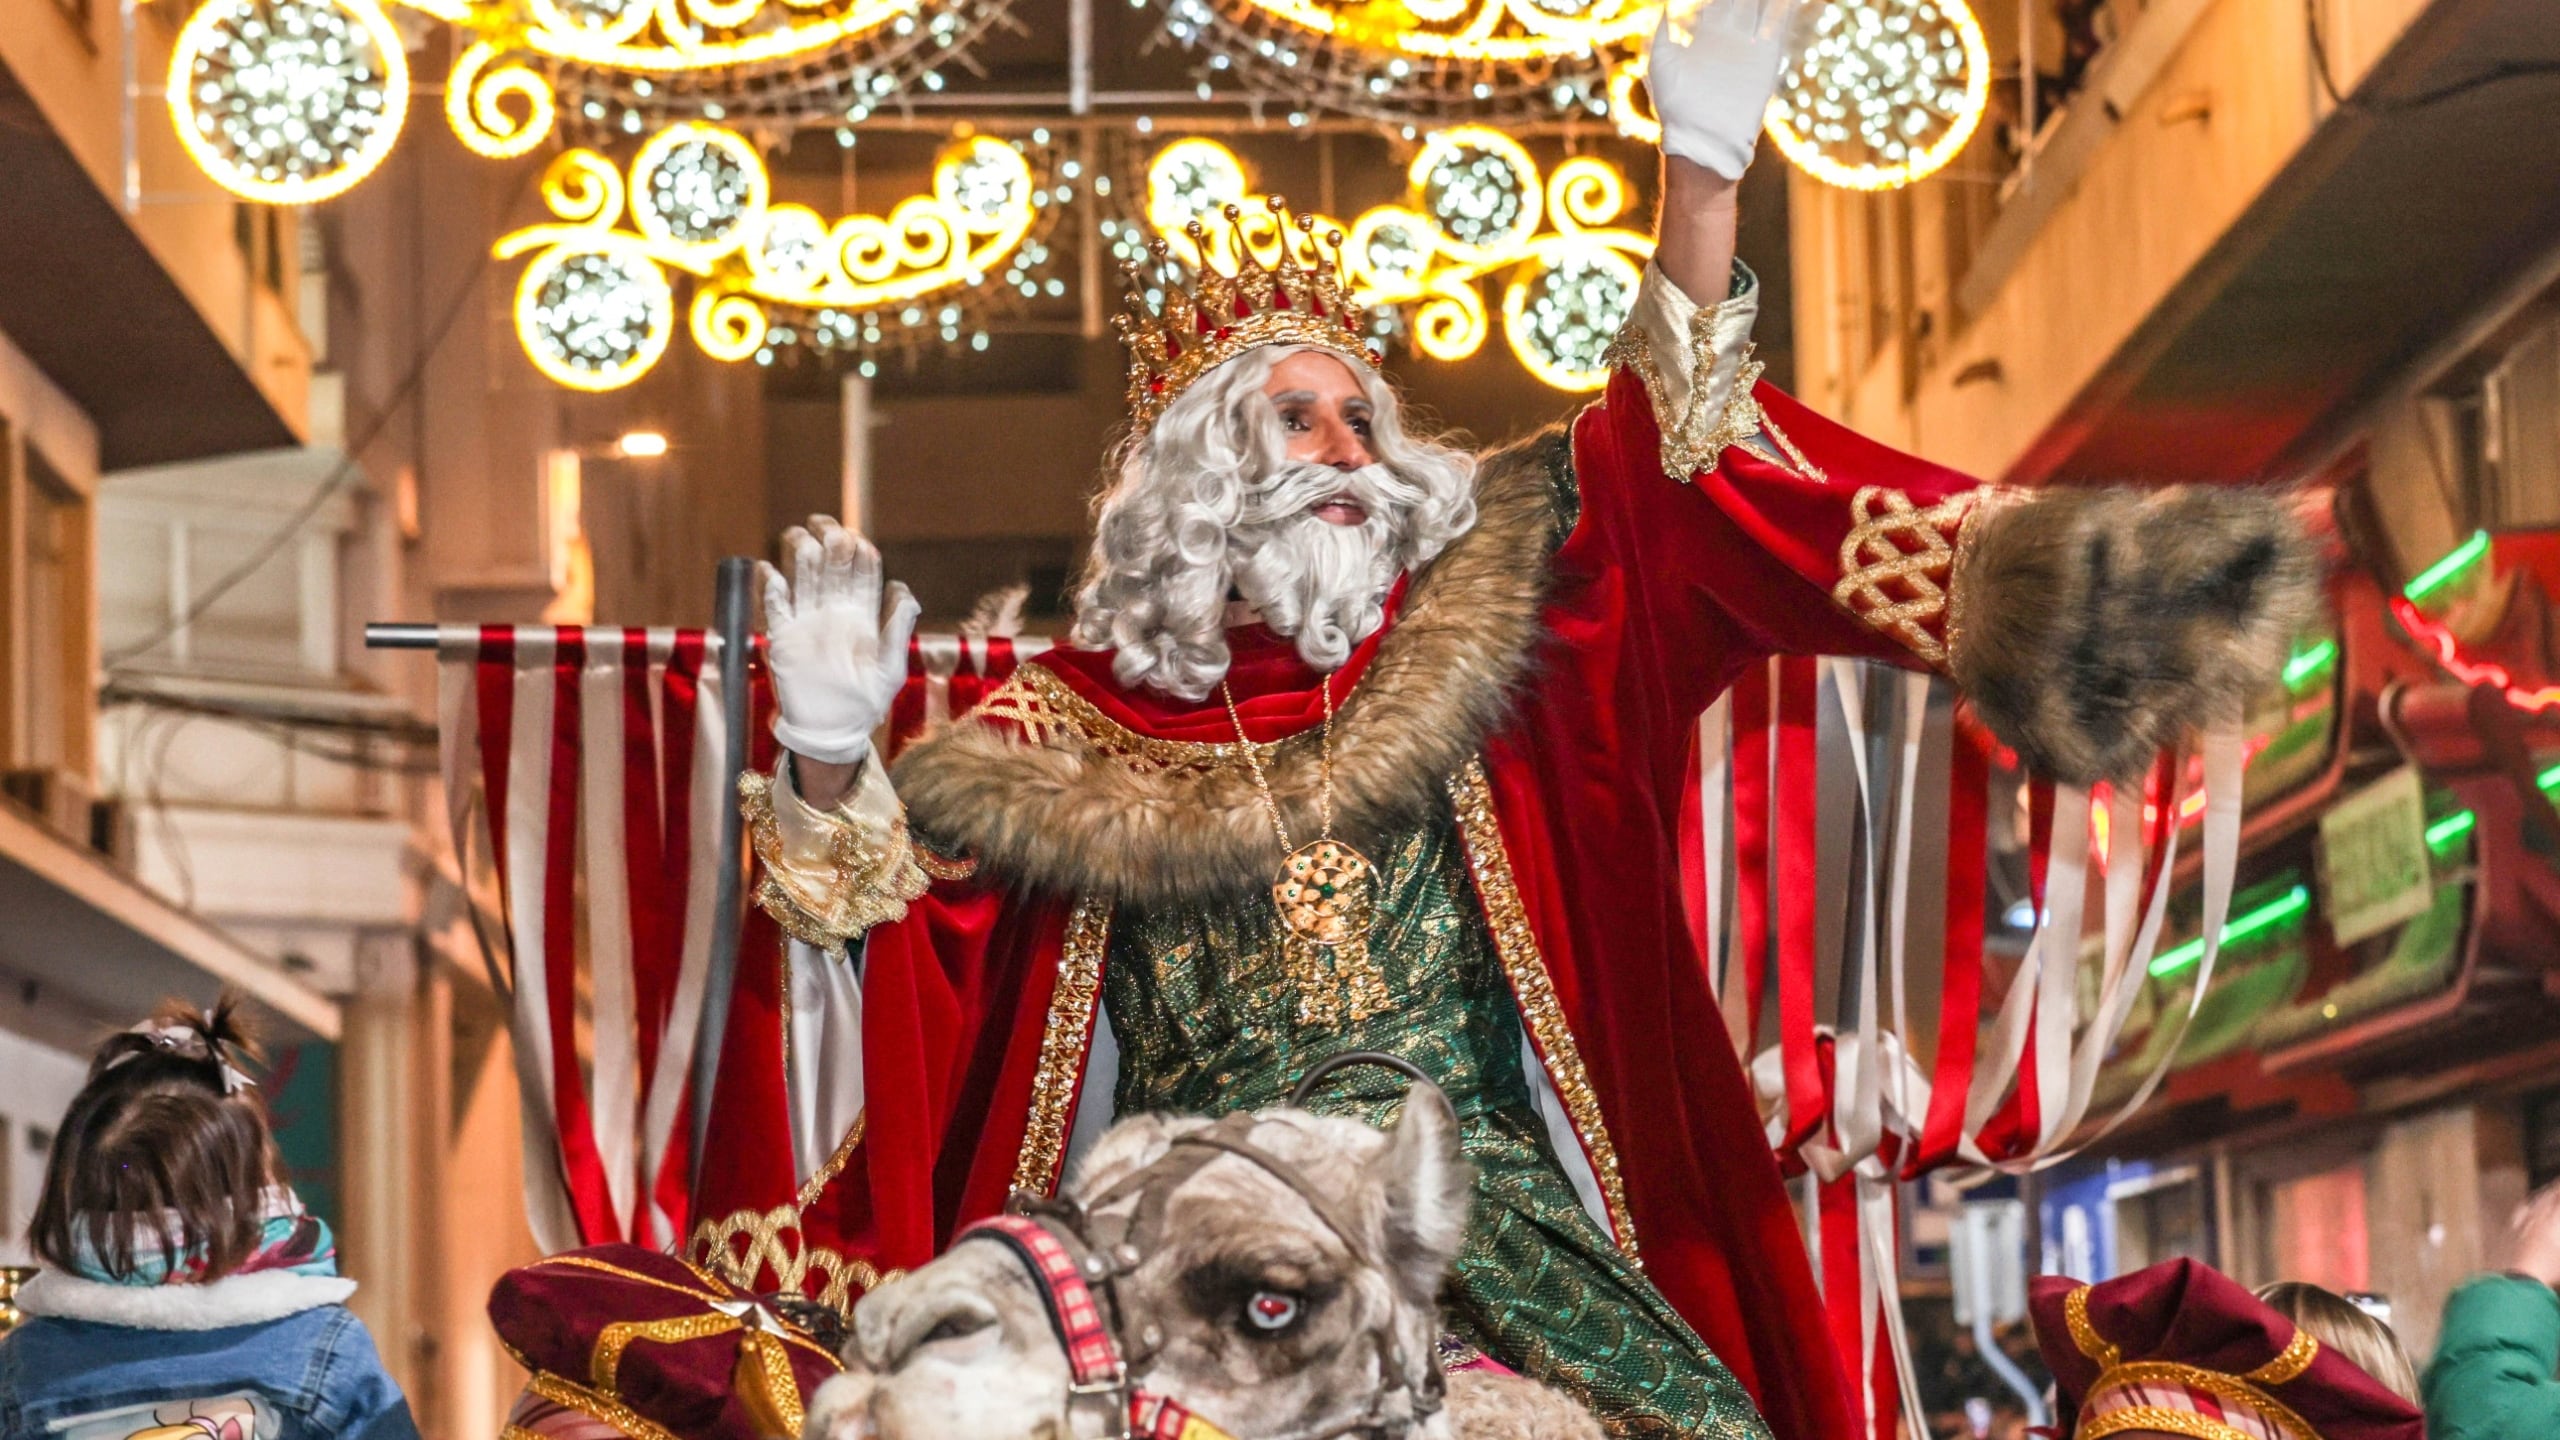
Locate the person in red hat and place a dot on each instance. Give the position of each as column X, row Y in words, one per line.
column 2183, row 1350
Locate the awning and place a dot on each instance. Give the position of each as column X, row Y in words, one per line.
column 94, row 938
column 95, row 310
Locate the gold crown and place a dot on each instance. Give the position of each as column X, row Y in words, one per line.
column 1300, row 299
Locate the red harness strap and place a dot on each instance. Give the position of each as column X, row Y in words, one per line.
column 1092, row 1357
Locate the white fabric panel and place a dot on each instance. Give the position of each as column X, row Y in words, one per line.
column 824, row 1077
column 616, row 1057
column 1562, row 1137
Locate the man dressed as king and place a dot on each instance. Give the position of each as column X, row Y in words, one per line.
column 1367, row 742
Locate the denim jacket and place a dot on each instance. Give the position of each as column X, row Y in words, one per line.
column 267, row 1356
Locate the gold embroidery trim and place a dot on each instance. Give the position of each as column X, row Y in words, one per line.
column 2114, row 1371
column 816, row 1184
column 599, row 1407
column 1063, row 1043
column 1508, row 919
column 1897, row 563
column 517, row 1432
column 2230, row 1390
column 870, row 880
column 945, row 867
column 2152, row 1418
column 1049, row 711
column 589, row 1262
column 1693, row 441
column 2290, row 1362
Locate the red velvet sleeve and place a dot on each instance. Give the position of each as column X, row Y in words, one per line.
column 1812, row 540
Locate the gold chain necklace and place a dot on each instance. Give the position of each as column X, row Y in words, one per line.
column 1327, row 895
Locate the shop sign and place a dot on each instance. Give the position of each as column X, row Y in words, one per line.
column 2373, row 857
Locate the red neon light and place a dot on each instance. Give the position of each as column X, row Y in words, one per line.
column 2448, row 653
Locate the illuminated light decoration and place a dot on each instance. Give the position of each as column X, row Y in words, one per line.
column 2442, row 834
column 2291, row 905
column 2304, row 666
column 2448, row 567
column 596, row 305
column 1883, row 93
column 2447, row 650
column 288, row 101
column 1420, row 62
column 497, row 108
column 1475, row 209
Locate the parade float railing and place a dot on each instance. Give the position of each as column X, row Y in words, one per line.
column 1833, row 840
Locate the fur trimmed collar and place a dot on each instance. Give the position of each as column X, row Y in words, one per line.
column 250, row 1299
column 1100, row 812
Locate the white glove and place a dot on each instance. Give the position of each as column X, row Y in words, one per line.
column 836, row 664
column 1712, row 67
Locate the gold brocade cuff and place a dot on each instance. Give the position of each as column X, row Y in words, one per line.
column 1696, row 366
column 866, row 873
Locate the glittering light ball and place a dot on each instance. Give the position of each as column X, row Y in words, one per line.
column 1884, row 92
column 1192, row 180
column 1562, row 318
column 988, row 182
column 791, row 251
column 1483, row 190
column 595, row 318
column 697, row 187
column 288, row 101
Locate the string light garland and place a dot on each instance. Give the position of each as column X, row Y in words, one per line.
column 596, row 305
column 1476, row 208
column 288, row 101
column 1883, row 93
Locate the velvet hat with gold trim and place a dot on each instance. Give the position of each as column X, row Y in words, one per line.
column 2183, row 1349
column 656, row 1348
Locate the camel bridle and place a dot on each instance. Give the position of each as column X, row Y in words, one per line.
column 1078, row 1253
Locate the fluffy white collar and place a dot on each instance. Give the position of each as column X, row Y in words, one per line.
column 249, row 1299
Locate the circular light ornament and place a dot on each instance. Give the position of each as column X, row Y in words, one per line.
column 987, row 181
column 1480, row 186
column 1561, row 316
column 288, row 102
column 1884, row 92
column 1192, row 180
column 698, row 190
column 791, row 251
column 595, row 315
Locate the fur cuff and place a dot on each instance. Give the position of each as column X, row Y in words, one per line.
column 251, row 1299
column 2090, row 628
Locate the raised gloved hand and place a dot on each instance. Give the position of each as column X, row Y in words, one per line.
column 837, row 664
column 1711, row 69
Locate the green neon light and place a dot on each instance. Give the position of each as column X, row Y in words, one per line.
column 2275, row 912
column 2442, row 834
column 2435, row 577
column 2307, row 663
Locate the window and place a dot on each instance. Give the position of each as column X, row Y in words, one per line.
column 179, row 534
column 45, row 626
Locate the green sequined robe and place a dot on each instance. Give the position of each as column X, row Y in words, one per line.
column 1205, row 1014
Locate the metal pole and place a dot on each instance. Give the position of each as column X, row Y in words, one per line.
column 1079, row 57
column 730, row 610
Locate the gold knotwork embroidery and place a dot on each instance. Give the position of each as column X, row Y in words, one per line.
column 1694, row 441
column 1062, row 1045
column 2290, row 1362
column 870, row 879
column 776, row 1242
column 1896, row 565
column 596, row 1407
column 1534, row 990
column 2151, row 1419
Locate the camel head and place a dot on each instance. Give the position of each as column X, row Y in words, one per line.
column 1273, row 1310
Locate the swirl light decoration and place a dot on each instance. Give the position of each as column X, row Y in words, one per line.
column 288, row 101
column 596, row 306
column 1417, row 62
column 1477, row 208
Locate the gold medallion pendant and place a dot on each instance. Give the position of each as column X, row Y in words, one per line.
column 1327, row 893
column 1327, row 896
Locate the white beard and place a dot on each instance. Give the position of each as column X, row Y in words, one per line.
column 1318, row 583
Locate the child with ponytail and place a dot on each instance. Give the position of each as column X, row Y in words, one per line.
column 187, row 1295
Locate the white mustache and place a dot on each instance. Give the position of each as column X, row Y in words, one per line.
column 1297, row 486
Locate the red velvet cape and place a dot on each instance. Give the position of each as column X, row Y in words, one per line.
column 1663, row 592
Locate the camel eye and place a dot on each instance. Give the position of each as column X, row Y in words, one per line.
column 956, row 1327
column 1271, row 1311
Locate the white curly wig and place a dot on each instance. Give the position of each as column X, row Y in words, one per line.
column 1207, row 500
